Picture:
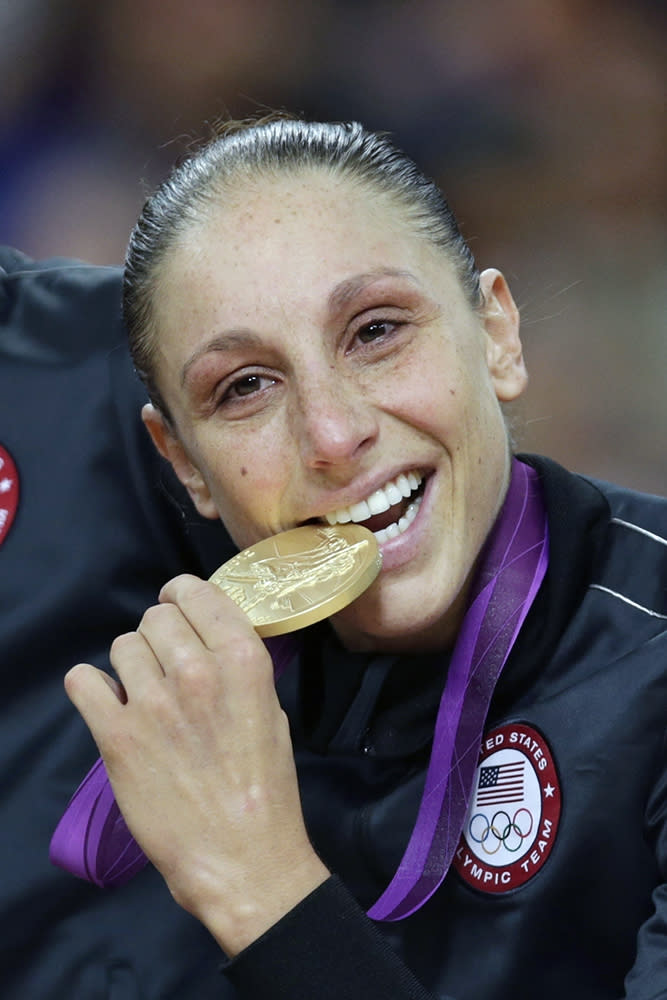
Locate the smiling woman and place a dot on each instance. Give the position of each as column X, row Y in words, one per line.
column 313, row 328
column 319, row 348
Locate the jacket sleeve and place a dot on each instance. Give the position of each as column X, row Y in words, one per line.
column 98, row 528
column 648, row 977
column 326, row 947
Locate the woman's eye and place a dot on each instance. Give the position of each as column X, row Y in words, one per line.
column 373, row 331
column 246, row 386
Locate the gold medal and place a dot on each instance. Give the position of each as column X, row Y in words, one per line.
column 300, row 576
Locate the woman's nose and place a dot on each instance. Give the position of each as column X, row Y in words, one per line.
column 336, row 423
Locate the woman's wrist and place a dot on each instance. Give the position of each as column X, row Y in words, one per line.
column 236, row 919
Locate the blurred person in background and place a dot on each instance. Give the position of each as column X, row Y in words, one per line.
column 90, row 527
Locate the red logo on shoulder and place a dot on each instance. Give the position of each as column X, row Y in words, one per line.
column 9, row 492
column 514, row 811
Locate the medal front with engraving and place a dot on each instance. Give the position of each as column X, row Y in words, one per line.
column 299, row 577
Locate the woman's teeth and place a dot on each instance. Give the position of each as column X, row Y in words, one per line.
column 391, row 494
column 398, row 527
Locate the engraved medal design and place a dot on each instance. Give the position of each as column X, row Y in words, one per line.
column 299, row 577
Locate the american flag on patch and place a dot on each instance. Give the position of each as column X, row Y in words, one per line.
column 500, row 783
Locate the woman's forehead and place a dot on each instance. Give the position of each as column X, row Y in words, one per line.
column 311, row 224
column 301, row 199
column 286, row 254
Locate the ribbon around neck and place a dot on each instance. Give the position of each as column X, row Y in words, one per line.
column 93, row 842
column 511, row 568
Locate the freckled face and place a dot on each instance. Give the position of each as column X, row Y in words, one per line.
column 313, row 351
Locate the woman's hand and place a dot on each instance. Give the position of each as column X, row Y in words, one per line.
column 199, row 756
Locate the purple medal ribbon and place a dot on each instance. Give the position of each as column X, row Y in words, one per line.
column 93, row 842
column 511, row 568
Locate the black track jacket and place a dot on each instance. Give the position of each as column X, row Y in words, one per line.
column 558, row 889
column 93, row 536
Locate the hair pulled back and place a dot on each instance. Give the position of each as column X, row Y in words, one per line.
column 273, row 146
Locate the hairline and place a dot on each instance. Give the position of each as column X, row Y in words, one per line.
column 276, row 146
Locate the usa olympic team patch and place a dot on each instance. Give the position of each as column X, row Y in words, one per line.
column 514, row 811
column 9, row 492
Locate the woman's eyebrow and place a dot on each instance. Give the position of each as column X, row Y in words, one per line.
column 230, row 340
column 233, row 340
column 347, row 289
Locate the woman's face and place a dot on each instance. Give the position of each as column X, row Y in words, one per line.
column 316, row 356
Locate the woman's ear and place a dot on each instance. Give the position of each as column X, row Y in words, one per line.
column 504, row 355
column 173, row 451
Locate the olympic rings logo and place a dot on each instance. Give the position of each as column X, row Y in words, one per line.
column 503, row 830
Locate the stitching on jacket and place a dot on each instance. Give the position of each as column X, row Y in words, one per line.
column 626, row 600
column 642, row 531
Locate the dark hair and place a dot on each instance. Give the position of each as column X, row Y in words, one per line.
column 276, row 145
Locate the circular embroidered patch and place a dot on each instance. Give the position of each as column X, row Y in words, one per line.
column 514, row 810
column 9, row 492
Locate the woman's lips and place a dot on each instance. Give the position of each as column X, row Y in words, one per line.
column 388, row 511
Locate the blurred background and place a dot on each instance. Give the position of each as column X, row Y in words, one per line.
column 543, row 121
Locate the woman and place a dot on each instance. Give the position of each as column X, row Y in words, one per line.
column 319, row 347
